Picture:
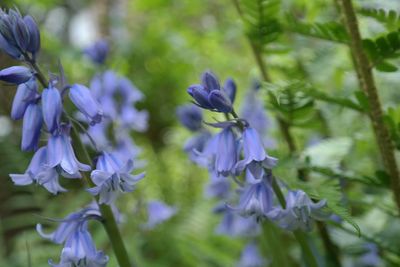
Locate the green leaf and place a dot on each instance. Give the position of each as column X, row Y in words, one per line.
column 389, row 18
column 385, row 67
column 362, row 100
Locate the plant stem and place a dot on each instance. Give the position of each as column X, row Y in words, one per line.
column 366, row 80
column 109, row 221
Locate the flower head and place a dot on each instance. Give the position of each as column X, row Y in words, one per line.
column 158, row 212
column 52, row 107
column 190, row 116
column 98, row 51
column 26, row 93
column 112, row 176
column 300, row 212
column 86, row 103
column 226, row 153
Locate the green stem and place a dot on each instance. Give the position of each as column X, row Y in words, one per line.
column 366, row 80
column 109, row 221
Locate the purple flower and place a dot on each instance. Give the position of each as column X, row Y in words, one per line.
column 255, row 157
column 198, row 148
column 31, row 127
column 190, row 116
column 16, row 74
column 39, row 172
column 130, row 94
column 230, row 89
column 158, row 212
column 85, row 102
column 79, row 248
column 235, row 225
column 218, row 187
column 251, row 257
column 132, row 118
column 18, row 35
column 26, row 94
column 52, row 107
column 61, row 154
column 111, row 177
column 300, row 212
column 371, row 256
column 98, row 51
column 209, row 95
column 256, row 199
column 226, row 152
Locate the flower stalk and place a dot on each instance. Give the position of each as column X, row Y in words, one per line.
column 363, row 69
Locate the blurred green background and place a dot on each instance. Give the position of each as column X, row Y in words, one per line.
column 163, row 46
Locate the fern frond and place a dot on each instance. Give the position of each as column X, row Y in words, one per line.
column 390, row 18
column 261, row 22
column 330, row 31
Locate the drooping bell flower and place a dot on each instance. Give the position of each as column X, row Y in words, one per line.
column 158, row 212
column 226, row 152
column 190, row 116
column 52, row 107
column 300, row 212
column 251, row 257
column 31, row 126
column 255, row 200
column 39, row 172
column 98, row 51
column 79, row 248
column 16, row 74
column 255, row 157
column 112, row 177
column 26, row 94
column 86, row 103
column 199, row 148
column 61, row 154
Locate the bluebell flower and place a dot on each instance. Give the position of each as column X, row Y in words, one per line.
column 86, row 103
column 98, row 134
column 98, row 51
column 190, row 116
column 158, row 212
column 52, row 107
column 253, row 111
column 132, row 118
column 126, row 149
column 16, row 74
column 230, row 89
column 209, row 95
column 371, row 256
column 31, row 127
column 218, row 187
column 235, row 225
column 26, row 94
column 300, row 212
column 199, row 148
column 79, row 248
column 255, row 200
column 226, row 153
column 130, row 94
column 39, row 172
column 61, row 154
column 111, row 177
column 255, row 157
column 251, row 257
column 34, row 35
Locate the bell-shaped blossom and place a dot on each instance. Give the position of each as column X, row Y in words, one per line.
column 198, row 146
column 112, row 177
column 61, row 154
column 98, row 51
column 255, row 200
column 226, row 152
column 235, row 225
column 39, row 172
column 158, row 212
column 18, row 35
column 209, row 95
column 300, row 212
column 86, row 103
column 255, row 157
column 251, row 257
column 132, row 118
column 16, row 74
column 26, row 94
column 52, row 107
column 230, row 89
column 31, row 126
column 218, row 187
column 130, row 93
column 79, row 248
column 190, row 116
column 253, row 111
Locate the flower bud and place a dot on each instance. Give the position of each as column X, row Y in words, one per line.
column 230, row 89
column 31, row 127
column 220, row 101
column 26, row 93
column 15, row 74
column 52, row 107
column 85, row 102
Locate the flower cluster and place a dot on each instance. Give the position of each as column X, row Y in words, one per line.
column 238, row 151
column 41, row 105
